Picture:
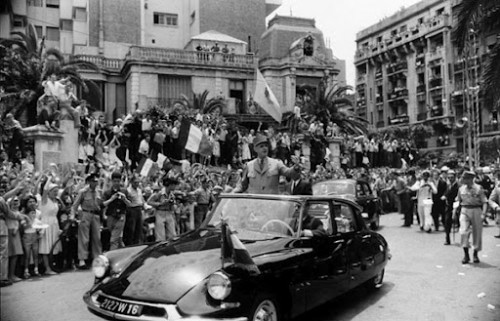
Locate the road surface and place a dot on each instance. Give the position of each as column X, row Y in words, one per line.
column 425, row 280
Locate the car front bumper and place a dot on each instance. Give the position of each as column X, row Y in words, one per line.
column 171, row 312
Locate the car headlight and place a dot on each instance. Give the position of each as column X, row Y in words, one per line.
column 218, row 286
column 100, row 266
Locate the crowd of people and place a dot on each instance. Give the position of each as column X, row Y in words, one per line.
column 107, row 201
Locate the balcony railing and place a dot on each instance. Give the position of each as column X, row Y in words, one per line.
column 437, row 111
column 422, row 116
column 99, row 61
column 397, row 67
column 435, row 54
column 190, row 57
column 435, row 82
column 397, row 120
column 420, row 88
column 362, row 78
column 488, row 128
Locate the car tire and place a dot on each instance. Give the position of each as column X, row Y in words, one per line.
column 377, row 281
column 376, row 223
column 265, row 307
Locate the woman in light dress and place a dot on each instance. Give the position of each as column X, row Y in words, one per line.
column 49, row 207
column 425, row 188
column 245, row 148
column 114, row 144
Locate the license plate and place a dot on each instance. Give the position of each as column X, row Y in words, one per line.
column 121, row 307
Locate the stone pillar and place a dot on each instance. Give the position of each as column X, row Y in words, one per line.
column 48, row 146
column 56, row 147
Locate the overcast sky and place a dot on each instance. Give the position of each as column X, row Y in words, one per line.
column 340, row 20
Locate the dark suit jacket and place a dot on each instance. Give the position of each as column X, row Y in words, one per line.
column 303, row 188
column 315, row 225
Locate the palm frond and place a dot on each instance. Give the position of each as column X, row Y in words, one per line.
column 491, row 77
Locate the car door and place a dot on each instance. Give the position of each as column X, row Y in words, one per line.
column 353, row 233
column 329, row 274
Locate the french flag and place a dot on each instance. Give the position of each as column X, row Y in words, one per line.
column 233, row 251
column 193, row 139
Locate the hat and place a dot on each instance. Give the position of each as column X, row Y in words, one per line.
column 218, row 188
column 260, row 139
column 426, row 173
column 486, row 170
column 52, row 186
column 468, row 174
column 119, row 120
column 445, row 169
column 451, row 172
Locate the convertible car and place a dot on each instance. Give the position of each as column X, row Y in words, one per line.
column 247, row 261
column 357, row 190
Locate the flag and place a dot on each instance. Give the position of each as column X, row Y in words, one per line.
column 193, row 139
column 147, row 167
column 265, row 97
column 233, row 251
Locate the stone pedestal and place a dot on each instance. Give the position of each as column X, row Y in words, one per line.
column 57, row 147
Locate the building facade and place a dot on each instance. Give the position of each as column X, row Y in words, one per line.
column 408, row 72
column 150, row 52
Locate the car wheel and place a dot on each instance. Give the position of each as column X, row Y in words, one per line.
column 377, row 281
column 376, row 223
column 265, row 308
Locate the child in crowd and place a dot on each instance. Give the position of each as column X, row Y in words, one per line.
column 31, row 237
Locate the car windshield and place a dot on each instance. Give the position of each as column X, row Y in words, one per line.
column 257, row 219
column 334, row 188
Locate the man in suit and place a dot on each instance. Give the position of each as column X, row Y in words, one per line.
column 261, row 175
column 299, row 186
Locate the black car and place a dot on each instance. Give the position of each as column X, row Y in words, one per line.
column 357, row 190
column 283, row 274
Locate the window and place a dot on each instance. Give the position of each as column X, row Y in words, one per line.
column 80, row 14
column 379, row 39
column 39, row 31
column 19, row 21
column 367, row 190
column 439, row 11
column 35, row 3
column 420, row 20
column 165, row 19
column 52, row 34
column 52, row 4
column 394, row 32
column 359, row 190
column 402, row 28
column 321, row 211
column 344, row 218
column 66, row 25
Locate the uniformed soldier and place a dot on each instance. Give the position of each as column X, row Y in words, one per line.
column 90, row 221
column 473, row 204
column 261, row 175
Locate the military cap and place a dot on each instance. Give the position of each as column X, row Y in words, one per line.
column 468, row 174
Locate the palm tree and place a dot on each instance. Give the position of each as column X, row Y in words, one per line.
column 24, row 66
column 481, row 17
column 325, row 103
column 201, row 103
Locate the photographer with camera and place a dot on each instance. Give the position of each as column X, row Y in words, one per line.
column 116, row 202
column 163, row 200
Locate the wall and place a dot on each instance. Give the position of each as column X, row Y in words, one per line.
column 166, row 36
column 237, row 18
column 122, row 21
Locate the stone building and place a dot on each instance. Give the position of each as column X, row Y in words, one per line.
column 408, row 73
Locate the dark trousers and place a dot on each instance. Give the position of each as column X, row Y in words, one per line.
column 132, row 232
column 406, row 207
column 448, row 221
column 199, row 214
column 438, row 209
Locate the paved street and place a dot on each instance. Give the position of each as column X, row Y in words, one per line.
column 424, row 281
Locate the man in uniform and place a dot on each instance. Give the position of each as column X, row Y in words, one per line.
column 90, row 221
column 261, row 175
column 494, row 200
column 162, row 201
column 116, row 201
column 474, row 204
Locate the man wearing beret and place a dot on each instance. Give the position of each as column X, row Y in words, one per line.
column 261, row 175
column 474, row 205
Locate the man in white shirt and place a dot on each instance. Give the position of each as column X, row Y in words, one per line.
column 144, row 146
column 132, row 232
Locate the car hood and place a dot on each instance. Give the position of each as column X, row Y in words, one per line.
column 166, row 271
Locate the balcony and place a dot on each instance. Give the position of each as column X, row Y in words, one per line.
column 398, row 120
column 380, row 124
column 437, row 53
column 435, row 82
column 99, row 61
column 397, row 67
column 438, row 22
column 362, row 79
column 177, row 56
column 379, row 99
column 493, row 127
column 437, row 111
column 398, row 93
column 378, row 74
column 422, row 116
column 421, row 88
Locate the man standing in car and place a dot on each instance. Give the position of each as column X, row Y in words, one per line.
column 261, row 175
column 116, row 201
